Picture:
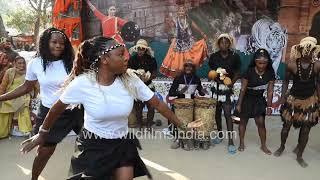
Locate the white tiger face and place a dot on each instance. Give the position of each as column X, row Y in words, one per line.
column 275, row 41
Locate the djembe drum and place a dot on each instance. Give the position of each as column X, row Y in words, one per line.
column 183, row 109
column 205, row 109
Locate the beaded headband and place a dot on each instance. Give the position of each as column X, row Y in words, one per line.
column 108, row 50
column 262, row 53
column 59, row 33
column 112, row 48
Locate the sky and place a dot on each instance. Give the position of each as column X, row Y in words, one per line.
column 12, row 4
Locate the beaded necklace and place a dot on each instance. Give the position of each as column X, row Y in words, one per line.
column 299, row 70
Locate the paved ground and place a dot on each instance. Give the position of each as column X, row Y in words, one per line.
column 167, row 164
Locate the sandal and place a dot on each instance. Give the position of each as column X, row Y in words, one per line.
column 241, row 149
column 216, row 140
column 232, row 149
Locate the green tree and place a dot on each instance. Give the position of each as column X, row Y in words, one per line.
column 22, row 20
column 41, row 8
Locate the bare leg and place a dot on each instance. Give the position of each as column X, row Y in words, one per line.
column 242, row 131
column 260, row 122
column 303, row 140
column 284, row 135
column 40, row 161
column 124, row 173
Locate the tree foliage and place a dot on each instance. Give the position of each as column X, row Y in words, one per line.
column 40, row 7
column 29, row 20
column 22, row 20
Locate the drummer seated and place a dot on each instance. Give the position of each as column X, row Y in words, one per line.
column 142, row 59
column 185, row 86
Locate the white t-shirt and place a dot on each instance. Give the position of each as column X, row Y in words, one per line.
column 50, row 81
column 106, row 107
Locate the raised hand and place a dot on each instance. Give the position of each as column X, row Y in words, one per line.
column 269, row 111
column 32, row 142
column 90, row 5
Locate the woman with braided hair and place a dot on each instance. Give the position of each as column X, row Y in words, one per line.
column 300, row 106
column 101, row 82
column 50, row 68
column 259, row 78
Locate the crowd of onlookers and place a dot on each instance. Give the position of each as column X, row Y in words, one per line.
column 16, row 114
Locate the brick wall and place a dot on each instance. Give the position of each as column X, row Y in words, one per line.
column 296, row 16
column 151, row 15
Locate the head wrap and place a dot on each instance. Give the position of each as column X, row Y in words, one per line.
column 227, row 36
column 305, row 46
column 141, row 43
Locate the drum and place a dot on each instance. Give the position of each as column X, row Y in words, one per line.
column 183, row 109
column 205, row 109
column 130, row 31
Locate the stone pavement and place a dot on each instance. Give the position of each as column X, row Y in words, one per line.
column 167, row 164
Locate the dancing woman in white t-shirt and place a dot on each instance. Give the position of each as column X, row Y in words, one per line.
column 107, row 91
column 50, row 68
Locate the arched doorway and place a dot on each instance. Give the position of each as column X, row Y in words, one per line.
column 315, row 27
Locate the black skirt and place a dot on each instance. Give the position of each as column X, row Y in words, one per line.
column 253, row 106
column 97, row 158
